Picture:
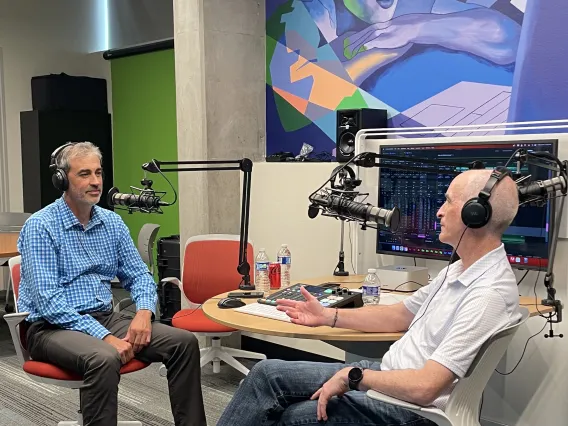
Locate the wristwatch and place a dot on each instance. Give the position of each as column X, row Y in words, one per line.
column 355, row 377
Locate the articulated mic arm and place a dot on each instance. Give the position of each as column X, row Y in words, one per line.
column 244, row 165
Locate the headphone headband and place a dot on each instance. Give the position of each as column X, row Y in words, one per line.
column 55, row 154
column 497, row 175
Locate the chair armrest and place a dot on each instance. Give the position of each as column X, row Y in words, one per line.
column 173, row 280
column 14, row 321
column 176, row 281
column 431, row 413
column 393, row 401
column 123, row 304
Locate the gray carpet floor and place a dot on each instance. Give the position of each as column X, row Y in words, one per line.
column 143, row 395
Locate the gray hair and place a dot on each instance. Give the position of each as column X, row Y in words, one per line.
column 504, row 198
column 78, row 149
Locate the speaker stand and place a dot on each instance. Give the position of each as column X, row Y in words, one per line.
column 340, row 268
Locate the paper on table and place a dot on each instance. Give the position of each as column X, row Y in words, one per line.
column 391, row 298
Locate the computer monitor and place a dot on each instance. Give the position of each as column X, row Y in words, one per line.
column 419, row 195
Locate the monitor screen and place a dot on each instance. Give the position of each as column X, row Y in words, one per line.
column 419, row 195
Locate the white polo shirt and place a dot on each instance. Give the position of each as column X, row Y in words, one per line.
column 455, row 316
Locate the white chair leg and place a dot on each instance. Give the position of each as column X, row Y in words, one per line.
column 233, row 363
column 207, row 357
column 203, row 351
column 239, row 353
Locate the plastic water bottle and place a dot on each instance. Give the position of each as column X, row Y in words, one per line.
column 371, row 288
column 261, row 277
column 285, row 261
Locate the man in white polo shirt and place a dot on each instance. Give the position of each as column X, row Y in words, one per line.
column 447, row 322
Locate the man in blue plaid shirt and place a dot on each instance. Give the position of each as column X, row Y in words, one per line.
column 71, row 250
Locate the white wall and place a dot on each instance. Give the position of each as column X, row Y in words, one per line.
column 38, row 38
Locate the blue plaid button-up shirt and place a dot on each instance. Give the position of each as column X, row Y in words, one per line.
column 67, row 268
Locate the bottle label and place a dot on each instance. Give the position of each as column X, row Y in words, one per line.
column 370, row 290
column 285, row 260
column 262, row 266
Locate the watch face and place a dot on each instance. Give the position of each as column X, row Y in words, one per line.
column 355, row 374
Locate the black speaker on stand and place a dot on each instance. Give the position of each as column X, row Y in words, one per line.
column 349, row 122
column 65, row 109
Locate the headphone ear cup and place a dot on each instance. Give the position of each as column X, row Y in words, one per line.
column 59, row 180
column 476, row 213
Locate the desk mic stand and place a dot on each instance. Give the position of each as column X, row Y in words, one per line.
column 340, row 268
column 245, row 166
column 549, row 277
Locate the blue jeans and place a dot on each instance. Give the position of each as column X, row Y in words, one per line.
column 278, row 393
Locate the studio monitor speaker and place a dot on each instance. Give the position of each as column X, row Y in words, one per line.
column 349, row 122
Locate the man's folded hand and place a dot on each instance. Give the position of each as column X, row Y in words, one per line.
column 140, row 331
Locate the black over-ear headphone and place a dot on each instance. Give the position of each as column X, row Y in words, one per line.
column 58, row 176
column 476, row 212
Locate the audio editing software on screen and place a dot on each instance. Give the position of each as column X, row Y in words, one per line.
column 419, row 195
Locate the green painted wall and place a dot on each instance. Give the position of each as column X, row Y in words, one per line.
column 144, row 127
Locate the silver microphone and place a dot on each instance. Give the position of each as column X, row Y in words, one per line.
column 145, row 201
column 346, row 208
column 542, row 188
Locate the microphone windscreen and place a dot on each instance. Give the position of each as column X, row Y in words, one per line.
column 313, row 211
column 110, row 195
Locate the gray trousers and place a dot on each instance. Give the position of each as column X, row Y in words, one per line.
column 99, row 364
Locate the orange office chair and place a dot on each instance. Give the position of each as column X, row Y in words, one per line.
column 43, row 372
column 209, row 269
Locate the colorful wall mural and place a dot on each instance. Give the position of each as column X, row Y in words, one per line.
column 427, row 62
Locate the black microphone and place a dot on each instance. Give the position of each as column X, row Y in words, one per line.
column 542, row 188
column 145, row 201
column 349, row 208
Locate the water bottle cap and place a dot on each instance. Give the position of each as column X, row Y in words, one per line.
column 261, row 249
column 371, row 271
column 284, row 245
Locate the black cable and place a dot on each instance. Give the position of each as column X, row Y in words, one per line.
column 523, row 277
column 547, row 319
column 400, row 285
column 414, row 261
column 351, row 249
column 445, row 276
column 167, row 180
column 523, row 354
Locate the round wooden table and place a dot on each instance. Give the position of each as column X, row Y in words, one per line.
column 357, row 345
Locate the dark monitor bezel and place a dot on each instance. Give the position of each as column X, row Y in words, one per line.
column 445, row 258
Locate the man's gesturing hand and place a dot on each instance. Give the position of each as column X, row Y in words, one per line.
column 124, row 348
column 336, row 386
column 140, row 330
column 310, row 312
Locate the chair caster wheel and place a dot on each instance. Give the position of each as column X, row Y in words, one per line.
column 9, row 308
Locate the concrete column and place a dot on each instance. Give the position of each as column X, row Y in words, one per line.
column 191, row 115
column 235, row 97
column 220, row 80
column 220, row 97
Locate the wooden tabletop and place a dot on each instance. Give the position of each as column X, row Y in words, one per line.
column 261, row 325
column 8, row 244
